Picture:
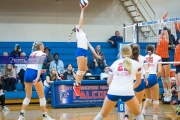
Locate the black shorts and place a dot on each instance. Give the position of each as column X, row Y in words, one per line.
column 165, row 60
column 177, row 69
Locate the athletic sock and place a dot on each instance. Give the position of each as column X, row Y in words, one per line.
column 44, row 114
column 155, row 117
column 144, row 111
column 99, row 117
column 140, row 117
column 22, row 111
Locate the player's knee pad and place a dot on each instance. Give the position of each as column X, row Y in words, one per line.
column 168, row 79
column 163, row 79
column 42, row 101
column 26, row 101
column 156, row 102
column 149, row 100
column 79, row 72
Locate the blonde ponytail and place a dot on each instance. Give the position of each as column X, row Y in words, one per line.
column 72, row 31
column 36, row 46
column 127, row 64
column 126, row 52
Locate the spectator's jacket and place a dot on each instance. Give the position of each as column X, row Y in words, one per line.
column 58, row 65
column 15, row 53
column 116, row 39
column 99, row 61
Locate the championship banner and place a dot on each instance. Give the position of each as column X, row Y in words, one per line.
column 159, row 21
column 64, row 94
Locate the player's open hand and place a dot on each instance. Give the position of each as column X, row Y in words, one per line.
column 35, row 81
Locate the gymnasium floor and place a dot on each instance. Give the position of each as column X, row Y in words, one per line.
column 166, row 112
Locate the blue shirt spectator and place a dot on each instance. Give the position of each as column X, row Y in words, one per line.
column 115, row 39
column 58, row 64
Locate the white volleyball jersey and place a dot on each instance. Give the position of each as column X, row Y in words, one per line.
column 153, row 61
column 123, row 81
column 81, row 39
column 141, row 60
column 35, row 59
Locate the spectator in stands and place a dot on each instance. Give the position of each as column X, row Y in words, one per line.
column 99, row 63
column 9, row 78
column 21, row 68
column 17, row 51
column 3, row 60
column 104, row 75
column 2, row 95
column 48, row 58
column 69, row 74
column 58, row 64
column 115, row 39
column 50, row 78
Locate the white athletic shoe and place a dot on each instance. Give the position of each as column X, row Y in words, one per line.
column 21, row 116
column 47, row 117
column 169, row 97
column 5, row 108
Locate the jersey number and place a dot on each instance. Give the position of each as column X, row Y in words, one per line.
column 33, row 55
column 121, row 68
column 149, row 59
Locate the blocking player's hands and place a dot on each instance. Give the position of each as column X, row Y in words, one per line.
column 83, row 7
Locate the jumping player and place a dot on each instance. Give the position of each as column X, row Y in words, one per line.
column 162, row 51
column 121, row 85
column 81, row 53
column 32, row 76
column 152, row 89
column 177, row 59
column 139, row 91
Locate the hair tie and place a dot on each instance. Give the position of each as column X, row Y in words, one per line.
column 126, row 55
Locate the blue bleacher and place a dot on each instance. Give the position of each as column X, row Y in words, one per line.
column 66, row 51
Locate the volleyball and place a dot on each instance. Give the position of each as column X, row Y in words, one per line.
column 83, row 3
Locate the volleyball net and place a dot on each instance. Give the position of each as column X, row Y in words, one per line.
column 148, row 33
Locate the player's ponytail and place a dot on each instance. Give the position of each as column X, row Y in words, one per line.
column 36, row 46
column 150, row 50
column 126, row 53
column 135, row 51
column 72, row 31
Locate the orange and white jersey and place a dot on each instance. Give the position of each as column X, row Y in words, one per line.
column 153, row 61
column 177, row 55
column 35, row 59
column 123, row 81
column 81, row 39
column 141, row 60
column 162, row 48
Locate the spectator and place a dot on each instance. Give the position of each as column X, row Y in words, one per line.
column 56, row 63
column 115, row 39
column 104, row 75
column 50, row 78
column 69, row 74
column 21, row 68
column 2, row 95
column 4, row 60
column 9, row 78
column 99, row 63
column 48, row 58
column 17, row 51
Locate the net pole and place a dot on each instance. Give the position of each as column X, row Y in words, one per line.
column 124, row 32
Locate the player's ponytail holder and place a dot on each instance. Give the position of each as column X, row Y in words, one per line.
column 149, row 52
